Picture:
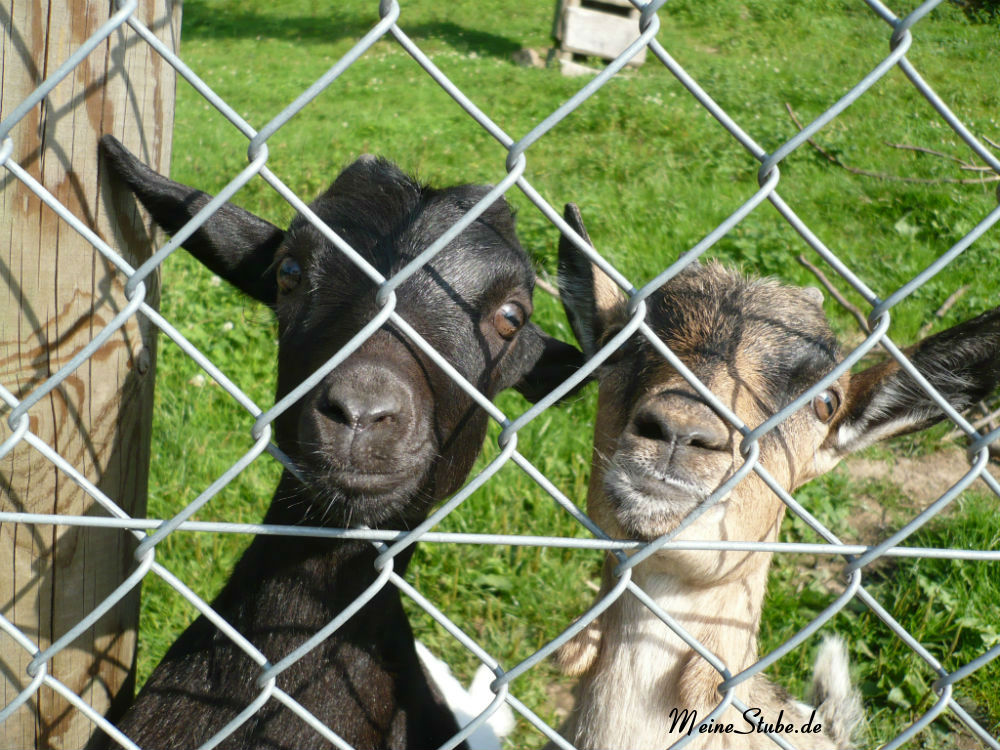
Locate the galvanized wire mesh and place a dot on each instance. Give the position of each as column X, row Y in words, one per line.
column 150, row 533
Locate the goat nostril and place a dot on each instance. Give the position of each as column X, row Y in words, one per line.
column 381, row 418
column 663, row 425
column 650, row 427
column 360, row 412
column 337, row 413
column 706, row 439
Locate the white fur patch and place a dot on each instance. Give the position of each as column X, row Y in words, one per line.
column 466, row 705
column 838, row 702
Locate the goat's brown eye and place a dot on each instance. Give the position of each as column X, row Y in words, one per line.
column 826, row 404
column 289, row 274
column 509, row 319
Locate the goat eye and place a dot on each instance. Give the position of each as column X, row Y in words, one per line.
column 826, row 404
column 509, row 319
column 289, row 274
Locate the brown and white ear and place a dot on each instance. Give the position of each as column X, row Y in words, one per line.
column 962, row 363
column 593, row 302
column 232, row 242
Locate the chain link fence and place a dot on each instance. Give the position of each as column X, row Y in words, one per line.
column 900, row 35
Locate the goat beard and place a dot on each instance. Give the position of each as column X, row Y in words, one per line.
column 320, row 500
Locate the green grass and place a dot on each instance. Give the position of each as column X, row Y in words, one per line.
column 949, row 606
column 653, row 173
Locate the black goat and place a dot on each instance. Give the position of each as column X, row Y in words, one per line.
column 379, row 440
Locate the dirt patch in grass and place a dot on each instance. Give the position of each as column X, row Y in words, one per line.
column 921, row 480
column 875, row 515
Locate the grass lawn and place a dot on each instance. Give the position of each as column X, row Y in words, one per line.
column 653, row 173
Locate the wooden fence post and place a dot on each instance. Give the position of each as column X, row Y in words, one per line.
column 56, row 293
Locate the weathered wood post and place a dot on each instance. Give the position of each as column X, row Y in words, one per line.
column 56, row 293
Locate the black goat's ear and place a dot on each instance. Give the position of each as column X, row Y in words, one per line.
column 232, row 242
column 554, row 362
column 962, row 363
column 593, row 302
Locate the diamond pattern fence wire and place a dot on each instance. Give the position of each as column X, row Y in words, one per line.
column 900, row 35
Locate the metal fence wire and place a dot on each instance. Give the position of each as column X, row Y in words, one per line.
column 900, row 35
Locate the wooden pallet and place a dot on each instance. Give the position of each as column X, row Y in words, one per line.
column 602, row 28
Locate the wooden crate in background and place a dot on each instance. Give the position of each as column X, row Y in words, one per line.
column 602, row 28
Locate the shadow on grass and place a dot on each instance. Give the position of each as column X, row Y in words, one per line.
column 463, row 39
column 203, row 22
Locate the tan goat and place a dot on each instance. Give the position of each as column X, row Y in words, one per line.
column 660, row 450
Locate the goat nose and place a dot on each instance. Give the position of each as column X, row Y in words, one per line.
column 692, row 425
column 359, row 409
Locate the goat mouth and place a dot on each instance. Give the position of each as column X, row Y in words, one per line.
column 368, row 472
column 648, row 504
column 345, row 498
column 367, row 483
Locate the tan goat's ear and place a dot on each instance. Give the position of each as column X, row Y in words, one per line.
column 962, row 363
column 593, row 302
